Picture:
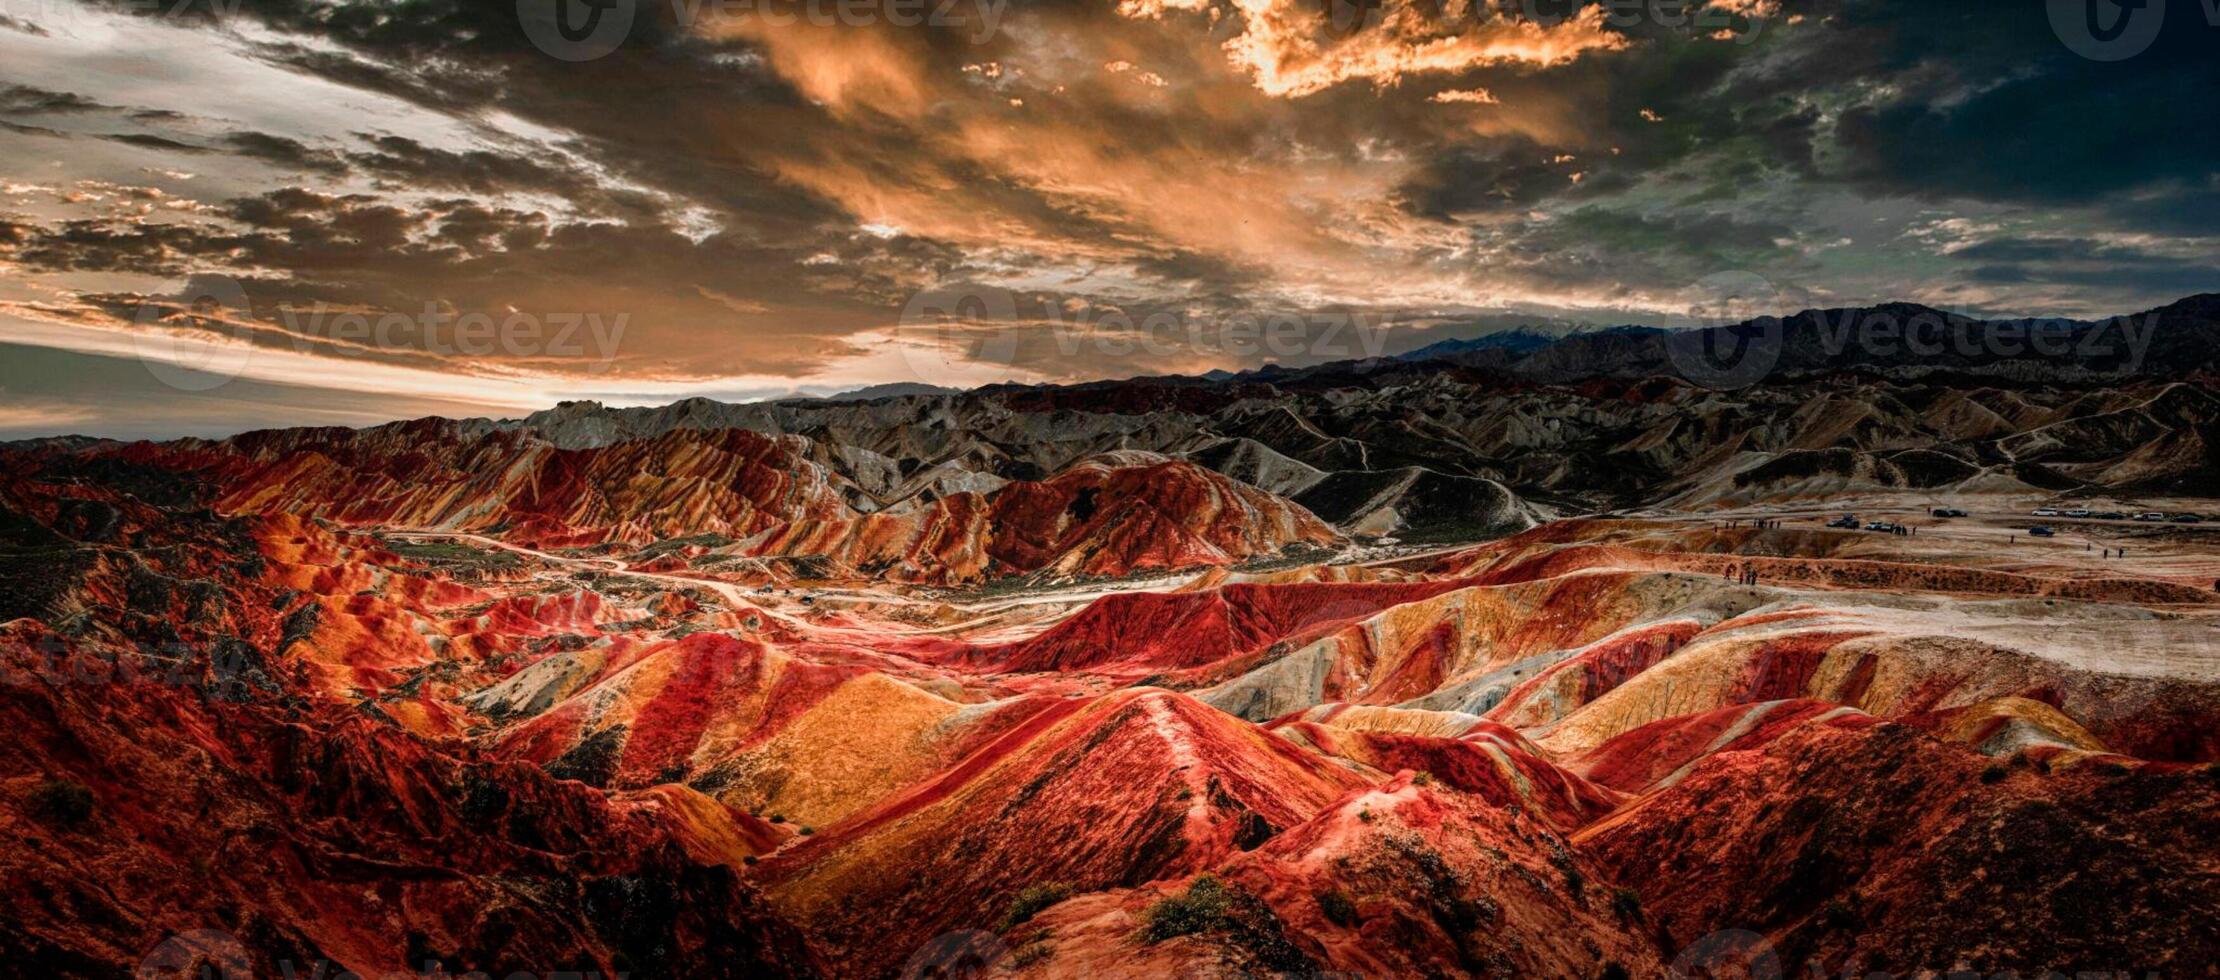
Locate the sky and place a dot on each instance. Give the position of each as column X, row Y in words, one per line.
column 218, row 215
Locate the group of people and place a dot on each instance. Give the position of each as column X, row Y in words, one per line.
column 1760, row 522
column 1747, row 574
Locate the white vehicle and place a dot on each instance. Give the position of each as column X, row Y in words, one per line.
column 2077, row 512
column 2150, row 516
column 2045, row 512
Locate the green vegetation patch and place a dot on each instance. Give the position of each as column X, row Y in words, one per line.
column 1032, row 901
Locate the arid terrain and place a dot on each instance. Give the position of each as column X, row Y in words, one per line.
column 1445, row 667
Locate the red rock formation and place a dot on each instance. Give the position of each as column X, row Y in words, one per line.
column 1120, row 790
column 1095, row 519
column 1859, row 847
column 1395, row 880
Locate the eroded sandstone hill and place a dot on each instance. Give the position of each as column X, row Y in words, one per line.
column 1123, row 680
column 1105, row 480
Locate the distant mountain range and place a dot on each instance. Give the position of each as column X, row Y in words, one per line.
column 1904, row 340
column 1476, row 439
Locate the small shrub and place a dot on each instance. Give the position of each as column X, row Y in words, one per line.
column 1994, row 773
column 778, row 818
column 1199, row 908
column 1031, row 953
column 748, row 860
column 1422, row 778
column 1234, row 916
column 806, row 831
column 1337, row 907
column 1626, row 903
column 1365, row 815
column 1031, row 901
column 1575, row 882
column 1841, row 913
column 62, row 803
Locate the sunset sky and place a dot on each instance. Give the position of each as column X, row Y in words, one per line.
column 741, row 206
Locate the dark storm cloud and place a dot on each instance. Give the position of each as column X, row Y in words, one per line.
column 2086, row 262
column 2177, row 208
column 103, row 246
column 286, row 152
column 26, row 100
column 1989, row 103
column 1495, row 175
column 151, row 141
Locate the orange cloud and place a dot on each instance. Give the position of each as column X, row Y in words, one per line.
column 846, row 69
column 1474, row 96
column 1289, row 48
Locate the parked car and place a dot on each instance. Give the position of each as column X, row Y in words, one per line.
column 2041, row 531
column 2150, row 517
column 2045, row 512
column 1849, row 521
column 2109, row 515
column 1949, row 512
column 2078, row 512
column 2188, row 519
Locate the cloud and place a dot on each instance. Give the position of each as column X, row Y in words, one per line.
column 286, row 152
column 27, row 100
column 1473, row 96
column 761, row 200
column 1292, row 49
